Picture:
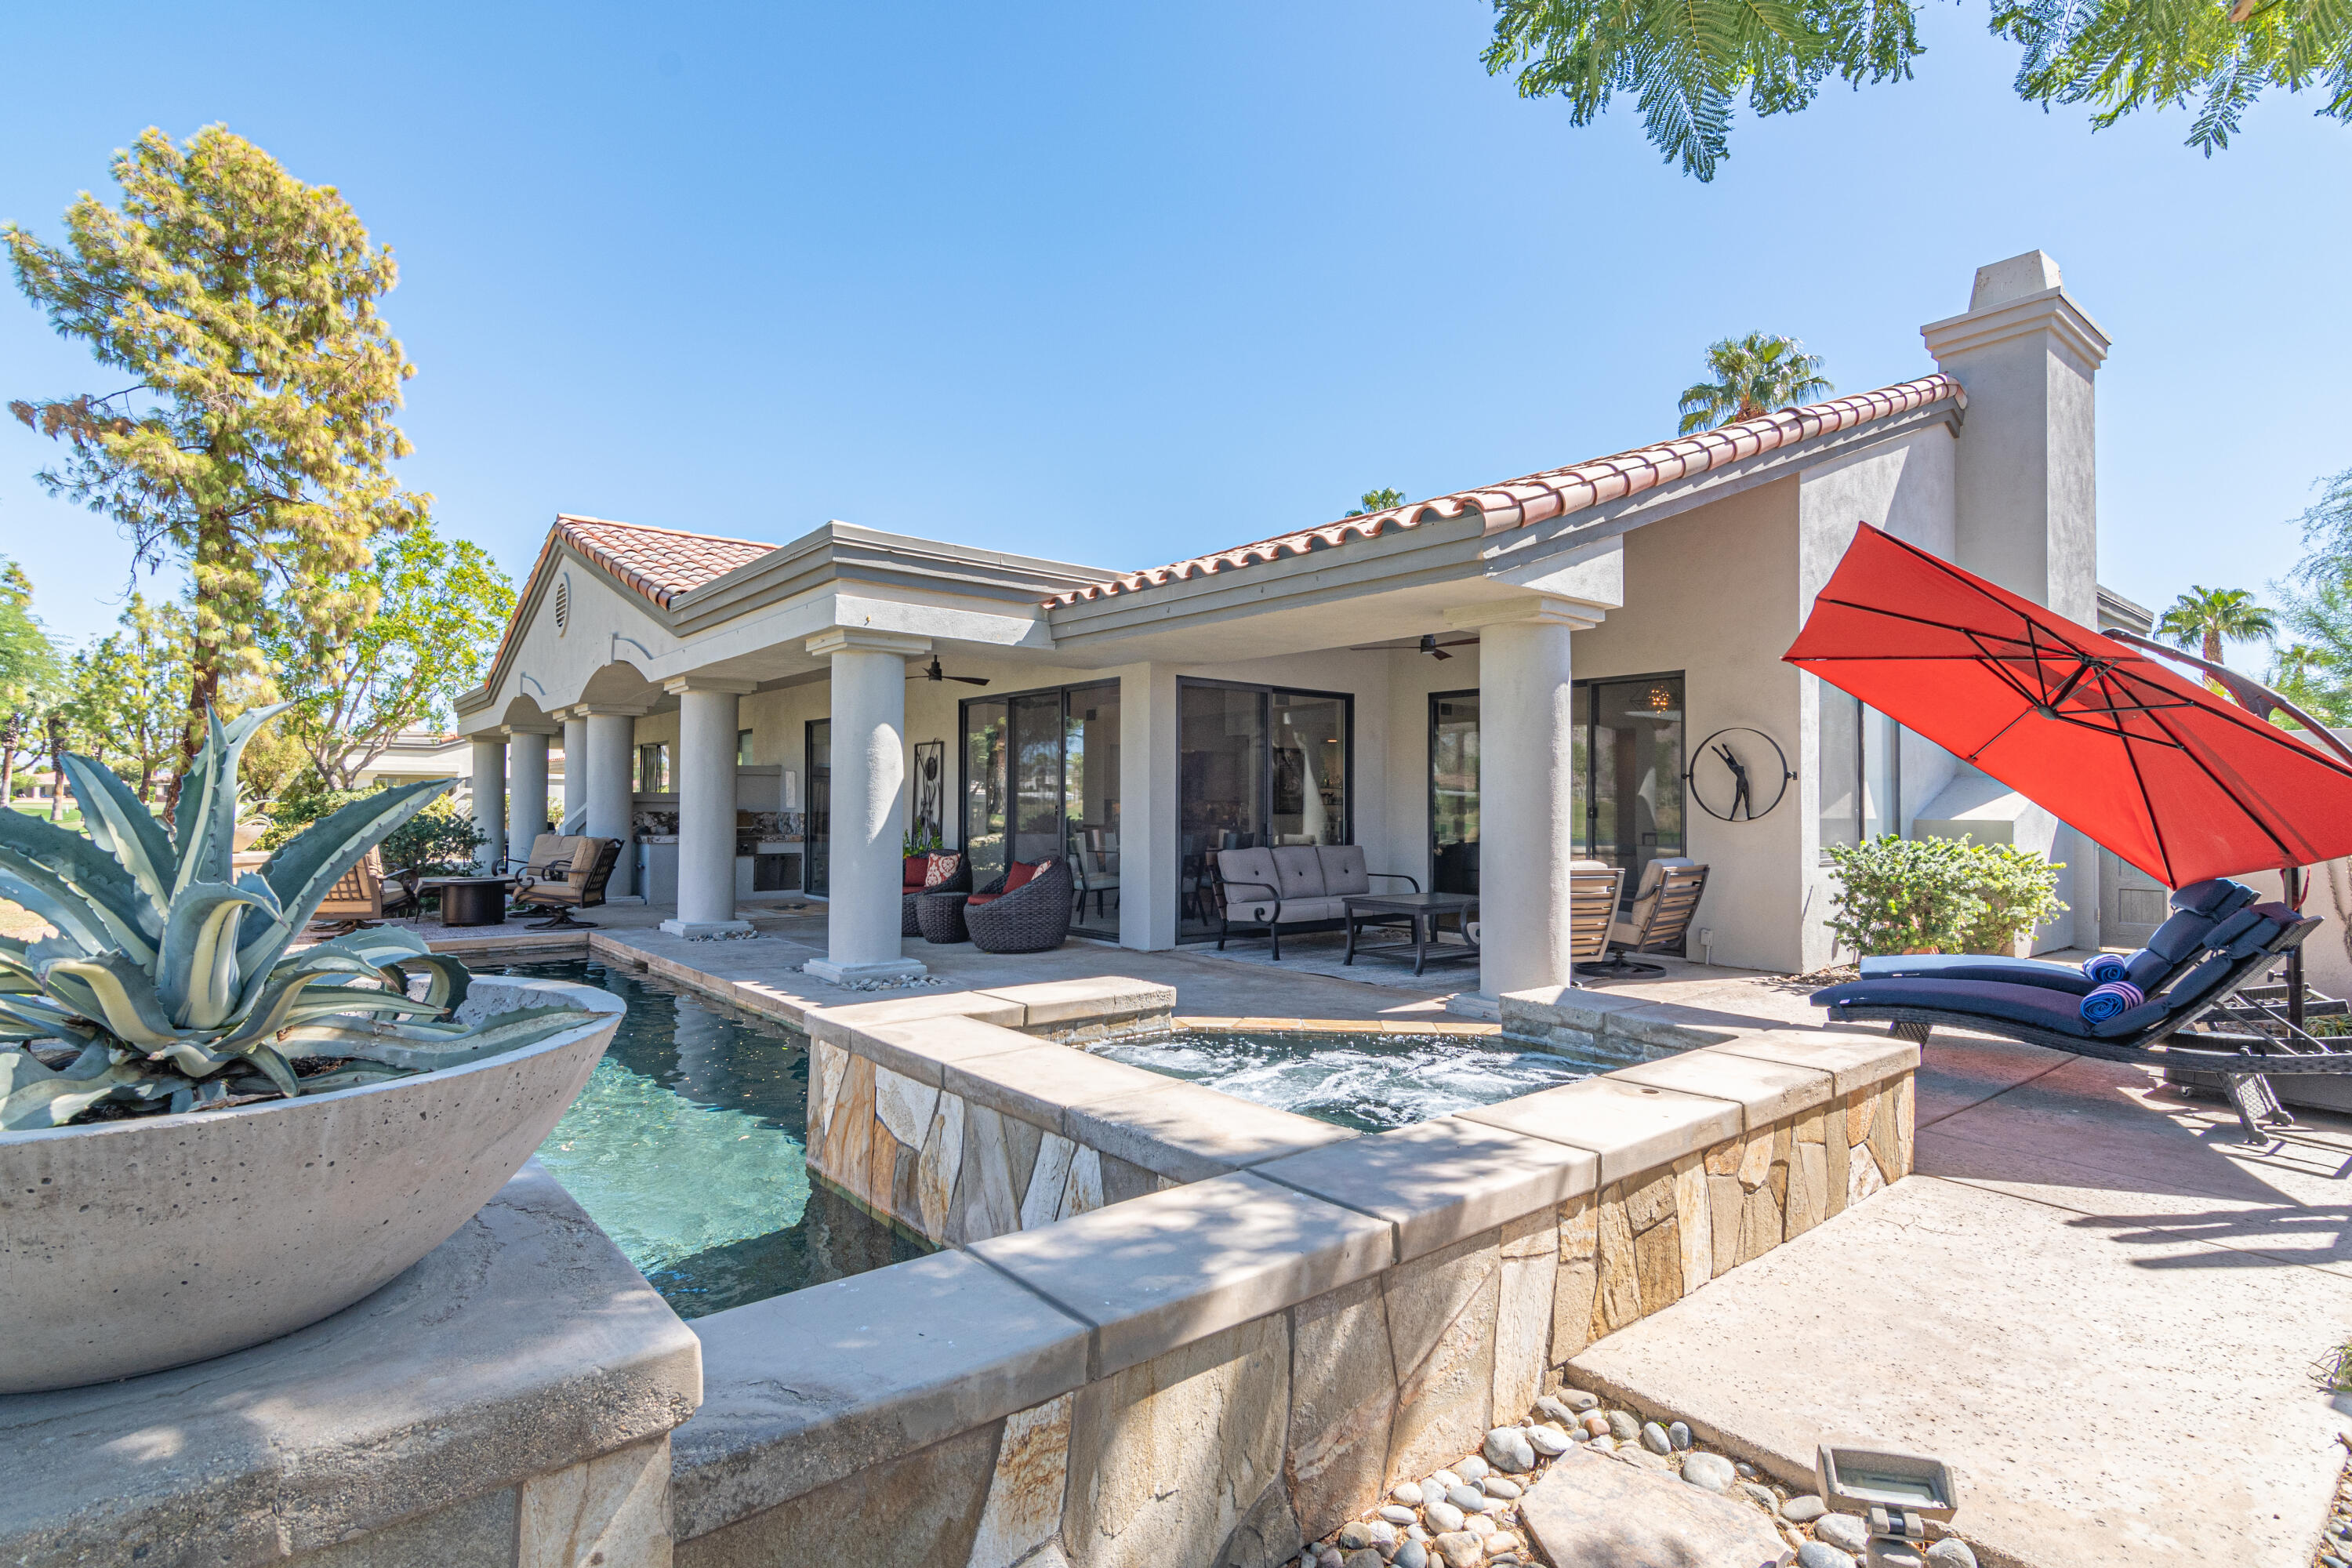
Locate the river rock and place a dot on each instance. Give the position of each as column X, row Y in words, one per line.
column 1442, row 1516
column 1655, row 1439
column 1679, row 1435
column 1436, row 1483
column 1479, row 1525
column 1396, row 1513
column 1951, row 1553
column 1580, row 1400
column 1760, row 1495
column 1363, row 1557
column 1501, row 1487
column 1586, row 1513
column 1473, row 1469
column 1411, row 1554
column 1595, row 1424
column 1548, row 1440
column 1622, row 1426
column 1842, row 1530
column 1507, row 1448
column 1407, row 1493
column 1354, row 1534
column 1502, row 1540
column 1712, row 1471
column 1815, row 1554
column 1803, row 1509
column 1604, row 1443
column 1460, row 1548
column 1469, row 1499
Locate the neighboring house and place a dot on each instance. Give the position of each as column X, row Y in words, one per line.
column 1601, row 621
column 417, row 756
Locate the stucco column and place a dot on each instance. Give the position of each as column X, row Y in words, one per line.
column 607, row 772
column 705, row 778
column 1527, row 797
column 526, row 787
column 491, row 801
column 869, row 803
column 575, row 761
column 1149, row 868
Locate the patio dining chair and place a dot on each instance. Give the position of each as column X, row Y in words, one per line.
column 573, row 883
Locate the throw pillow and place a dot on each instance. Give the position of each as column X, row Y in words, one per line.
column 916, row 867
column 1019, row 873
column 940, row 870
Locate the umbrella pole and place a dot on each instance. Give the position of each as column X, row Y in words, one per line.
column 2292, row 876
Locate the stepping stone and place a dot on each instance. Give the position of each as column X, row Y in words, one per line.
column 1597, row 1514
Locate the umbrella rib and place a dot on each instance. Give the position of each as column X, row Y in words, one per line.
column 2244, row 809
column 2139, row 782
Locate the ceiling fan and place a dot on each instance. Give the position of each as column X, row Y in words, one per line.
column 935, row 673
column 1426, row 643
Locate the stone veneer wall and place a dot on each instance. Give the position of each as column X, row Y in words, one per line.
column 1211, row 1375
column 949, row 1115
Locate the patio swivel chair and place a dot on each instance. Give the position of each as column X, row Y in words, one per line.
column 1593, row 889
column 1659, row 920
column 574, row 882
column 2229, row 954
column 355, row 902
column 1027, row 910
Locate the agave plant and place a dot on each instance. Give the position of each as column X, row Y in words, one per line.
column 169, row 985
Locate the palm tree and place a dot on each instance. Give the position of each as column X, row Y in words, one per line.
column 2206, row 618
column 1753, row 375
column 1377, row 500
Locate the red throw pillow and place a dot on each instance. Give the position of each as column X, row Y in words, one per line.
column 940, row 870
column 1020, row 872
column 912, row 877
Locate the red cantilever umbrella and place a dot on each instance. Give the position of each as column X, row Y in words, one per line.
column 2168, row 775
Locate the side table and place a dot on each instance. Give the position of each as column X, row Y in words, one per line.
column 941, row 916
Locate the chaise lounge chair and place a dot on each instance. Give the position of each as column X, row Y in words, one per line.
column 2197, row 909
column 2231, row 951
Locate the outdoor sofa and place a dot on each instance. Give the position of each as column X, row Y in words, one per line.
column 1292, row 887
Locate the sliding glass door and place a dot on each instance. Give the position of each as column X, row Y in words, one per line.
column 818, row 862
column 1041, row 781
column 1627, row 770
column 1255, row 765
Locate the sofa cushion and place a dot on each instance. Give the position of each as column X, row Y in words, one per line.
column 1254, row 868
column 1344, row 870
column 1299, row 871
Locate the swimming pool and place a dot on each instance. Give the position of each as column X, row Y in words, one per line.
column 687, row 1148
column 1370, row 1082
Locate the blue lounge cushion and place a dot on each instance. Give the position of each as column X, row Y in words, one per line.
column 2213, row 897
column 2034, row 1005
column 2062, row 977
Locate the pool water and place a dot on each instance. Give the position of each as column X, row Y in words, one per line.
column 1369, row 1082
column 688, row 1147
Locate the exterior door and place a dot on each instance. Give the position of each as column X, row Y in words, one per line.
column 1454, row 792
column 2132, row 903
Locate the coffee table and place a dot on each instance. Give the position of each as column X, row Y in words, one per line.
column 471, row 901
column 1420, row 912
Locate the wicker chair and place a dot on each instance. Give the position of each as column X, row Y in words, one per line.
column 1031, row 918
column 575, row 882
column 911, row 895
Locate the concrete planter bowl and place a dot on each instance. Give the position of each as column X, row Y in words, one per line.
column 129, row 1247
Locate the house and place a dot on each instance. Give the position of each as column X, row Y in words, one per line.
column 1478, row 688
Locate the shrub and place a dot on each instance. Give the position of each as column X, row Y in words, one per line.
column 1938, row 895
column 438, row 841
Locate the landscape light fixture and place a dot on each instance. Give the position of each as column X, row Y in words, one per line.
column 1897, row 1494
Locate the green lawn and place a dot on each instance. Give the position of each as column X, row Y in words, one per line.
column 41, row 810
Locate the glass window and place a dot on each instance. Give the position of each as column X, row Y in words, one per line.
column 653, row 768
column 1309, row 738
column 984, row 733
column 1036, row 776
column 819, row 861
column 1860, row 763
column 742, row 748
column 1090, row 802
column 1634, row 774
column 1454, row 792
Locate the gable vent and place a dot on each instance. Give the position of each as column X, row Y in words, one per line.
column 563, row 604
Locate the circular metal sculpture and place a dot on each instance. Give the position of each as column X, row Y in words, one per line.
column 1741, row 774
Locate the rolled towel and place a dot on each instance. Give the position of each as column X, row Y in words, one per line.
column 2114, row 997
column 2100, row 968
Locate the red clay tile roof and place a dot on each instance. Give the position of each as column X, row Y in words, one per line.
column 1515, row 504
column 659, row 562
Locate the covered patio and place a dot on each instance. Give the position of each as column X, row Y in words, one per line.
column 1478, row 692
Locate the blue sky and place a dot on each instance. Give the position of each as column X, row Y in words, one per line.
column 1118, row 285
